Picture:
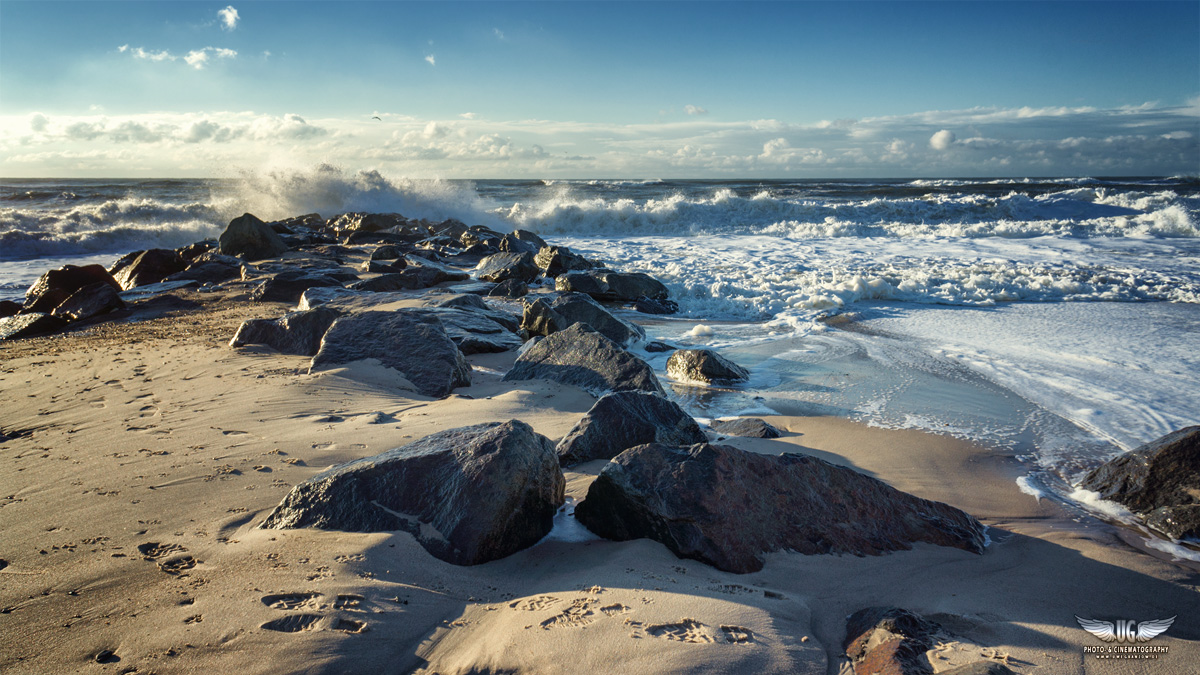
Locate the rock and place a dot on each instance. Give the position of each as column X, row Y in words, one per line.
column 451, row 273
column 347, row 223
column 723, row 506
column 621, row 420
column 557, row 260
column 656, row 347
column 705, row 365
column 550, row 315
column 386, row 252
column 290, row 286
column 29, row 325
column 293, row 333
column 148, row 291
column 529, row 237
column 147, row 267
column 89, row 301
column 207, row 271
column 980, row 668
column 473, row 331
column 509, row 288
column 468, row 495
column 55, row 286
column 584, row 358
column 384, row 267
column 502, row 266
column 1159, row 481
column 191, row 251
column 746, row 427
column 509, row 243
column 648, row 306
column 608, row 285
column 414, row 344
column 889, row 641
column 451, row 227
column 477, row 234
column 249, row 238
column 476, row 304
column 9, row 308
column 409, row 279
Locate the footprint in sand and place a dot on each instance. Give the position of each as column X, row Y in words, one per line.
column 730, row 589
column 289, row 601
column 578, row 615
column 686, row 630
column 615, row 609
column 234, row 432
column 98, row 403
column 294, row 623
column 350, row 602
column 534, row 604
column 177, row 566
column 153, row 550
column 737, row 635
column 197, row 618
column 350, row 626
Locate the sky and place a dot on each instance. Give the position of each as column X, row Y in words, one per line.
column 600, row 89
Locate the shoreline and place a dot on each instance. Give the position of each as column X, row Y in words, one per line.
column 136, row 432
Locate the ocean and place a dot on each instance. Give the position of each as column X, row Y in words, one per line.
column 1056, row 320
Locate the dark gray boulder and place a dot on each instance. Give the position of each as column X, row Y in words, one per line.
column 557, row 260
column 551, row 314
column 746, row 427
column 92, row 300
column 147, row 267
column 192, row 251
column 9, row 308
column 510, row 243
column 889, row 640
column 503, row 266
column 468, row 495
column 584, row 358
column 529, row 238
column 386, row 252
column 727, row 507
column 293, row 333
column 384, row 266
column 1159, row 480
column 410, row 279
column 289, row 286
column 55, row 286
column 347, row 223
column 657, row 347
column 509, row 288
column 609, row 285
column 476, row 304
column 705, row 365
column 473, row 331
column 621, row 420
column 412, row 343
column 249, row 238
column 649, row 306
column 29, row 325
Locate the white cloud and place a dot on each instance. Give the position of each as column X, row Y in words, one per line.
column 499, row 33
column 229, row 18
column 468, row 116
column 942, row 140
column 38, row 122
column 694, row 110
column 139, row 53
column 431, row 60
column 199, row 57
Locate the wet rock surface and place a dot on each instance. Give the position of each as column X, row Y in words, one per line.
column 621, row 420
column 746, row 427
column 705, row 365
column 584, row 358
column 547, row 315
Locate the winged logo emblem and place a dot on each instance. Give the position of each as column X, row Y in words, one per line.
column 1125, row 631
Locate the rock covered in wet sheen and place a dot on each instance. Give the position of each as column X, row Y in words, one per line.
column 55, row 286
column 621, row 420
column 551, row 314
column 584, row 358
column 705, row 365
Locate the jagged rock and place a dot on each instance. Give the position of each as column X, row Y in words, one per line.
column 649, row 306
column 452, row 273
column 30, row 325
column 293, row 333
column 250, row 238
column 207, row 271
column 451, row 227
column 509, row 288
column 407, row 236
column 384, row 267
column 723, row 506
column 409, row 279
column 414, row 344
column 477, row 234
column 147, row 267
column 608, row 285
column 290, row 286
column 557, row 260
column 476, row 304
column 9, row 308
column 468, row 495
column 656, row 347
column 473, row 331
column 530, row 238
column 91, row 300
column 1159, row 481
column 386, row 252
column 366, row 222
column 55, row 286
column 502, row 266
column 509, row 243
column 889, row 641
column 191, row 251
column 551, row 314
column 705, row 365
column 746, row 427
column 621, row 420
column 584, row 358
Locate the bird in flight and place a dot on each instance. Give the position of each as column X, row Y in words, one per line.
column 377, row 117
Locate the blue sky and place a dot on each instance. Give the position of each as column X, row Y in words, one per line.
column 583, row 89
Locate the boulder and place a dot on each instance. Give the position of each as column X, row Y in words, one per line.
column 191, row 251
column 451, row 227
column 557, row 260
column 408, row 279
column 889, row 641
column 609, row 285
column 656, row 347
column 477, row 234
column 468, row 495
column 1159, row 481
column 509, row 288
column 509, row 243
column 473, row 331
column 530, row 238
column 147, row 267
column 290, row 286
column 549, row 315
column 207, row 271
column 55, row 286
column 621, row 420
column 705, row 365
column 386, row 252
column 414, row 344
column 9, row 308
column 584, row 358
column 648, row 306
column 727, row 507
column 293, row 333
column 746, row 427
column 366, row 222
column 249, row 238
column 89, row 301
column 384, row 266
column 476, row 304
column 502, row 266
column 29, row 325
column 580, row 282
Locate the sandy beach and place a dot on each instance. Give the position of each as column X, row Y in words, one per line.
column 140, row 455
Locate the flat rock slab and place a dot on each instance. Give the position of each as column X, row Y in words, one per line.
column 705, row 366
column 745, row 427
column 1159, row 480
column 584, row 358
column 293, row 333
column 473, row 331
column 468, row 495
column 727, row 507
column 621, row 420
column 414, row 344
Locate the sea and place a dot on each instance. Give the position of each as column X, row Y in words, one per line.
column 1056, row 321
